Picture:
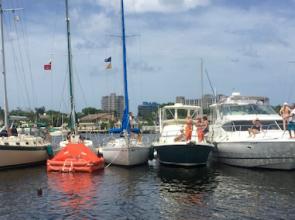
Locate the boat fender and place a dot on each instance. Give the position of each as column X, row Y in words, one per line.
column 49, row 151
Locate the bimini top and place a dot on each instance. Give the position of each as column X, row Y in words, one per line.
column 181, row 106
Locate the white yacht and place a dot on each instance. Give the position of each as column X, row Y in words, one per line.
column 171, row 151
column 231, row 120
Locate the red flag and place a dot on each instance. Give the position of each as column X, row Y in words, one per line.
column 47, row 66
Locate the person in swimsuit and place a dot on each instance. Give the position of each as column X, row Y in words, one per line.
column 256, row 128
column 188, row 129
column 180, row 137
column 205, row 125
column 285, row 113
column 200, row 132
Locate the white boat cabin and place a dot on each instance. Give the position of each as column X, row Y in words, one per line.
column 237, row 113
column 173, row 118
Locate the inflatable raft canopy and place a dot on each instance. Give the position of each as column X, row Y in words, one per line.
column 75, row 157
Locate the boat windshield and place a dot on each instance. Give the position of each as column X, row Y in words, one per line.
column 249, row 109
column 169, row 114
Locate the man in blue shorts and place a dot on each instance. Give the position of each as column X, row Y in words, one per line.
column 291, row 124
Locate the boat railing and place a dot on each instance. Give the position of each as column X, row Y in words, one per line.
column 265, row 128
column 174, row 133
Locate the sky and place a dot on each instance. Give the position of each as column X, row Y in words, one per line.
column 246, row 46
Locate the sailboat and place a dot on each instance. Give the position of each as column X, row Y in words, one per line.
column 76, row 154
column 125, row 150
column 18, row 149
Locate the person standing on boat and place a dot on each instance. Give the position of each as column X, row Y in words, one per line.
column 285, row 113
column 205, row 125
column 131, row 120
column 291, row 124
column 200, row 132
column 188, row 129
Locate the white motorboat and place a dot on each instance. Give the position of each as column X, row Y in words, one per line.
column 125, row 150
column 18, row 149
column 171, row 151
column 231, row 120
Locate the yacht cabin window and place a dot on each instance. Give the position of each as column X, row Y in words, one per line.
column 249, row 109
column 170, row 114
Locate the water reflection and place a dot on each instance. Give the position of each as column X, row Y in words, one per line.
column 186, row 180
column 75, row 192
column 257, row 179
column 185, row 190
column 252, row 193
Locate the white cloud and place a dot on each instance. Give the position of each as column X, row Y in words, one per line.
column 161, row 6
column 243, row 49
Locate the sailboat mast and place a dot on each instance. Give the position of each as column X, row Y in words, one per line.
column 4, row 71
column 72, row 115
column 124, row 62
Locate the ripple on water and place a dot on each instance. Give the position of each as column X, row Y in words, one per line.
column 148, row 192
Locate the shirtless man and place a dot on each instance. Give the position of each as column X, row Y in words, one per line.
column 285, row 113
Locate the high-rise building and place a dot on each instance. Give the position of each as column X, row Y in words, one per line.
column 208, row 100
column 147, row 108
column 192, row 102
column 113, row 103
column 180, row 99
column 205, row 101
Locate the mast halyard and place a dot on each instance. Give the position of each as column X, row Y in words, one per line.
column 126, row 111
column 72, row 103
column 4, row 71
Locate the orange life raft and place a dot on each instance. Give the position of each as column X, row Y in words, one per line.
column 75, row 157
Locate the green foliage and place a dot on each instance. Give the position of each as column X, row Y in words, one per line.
column 40, row 110
column 19, row 112
column 91, row 110
column 54, row 118
column 104, row 126
column 1, row 113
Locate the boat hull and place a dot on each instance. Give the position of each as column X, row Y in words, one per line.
column 184, row 154
column 119, row 152
column 16, row 156
column 274, row 154
column 126, row 156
